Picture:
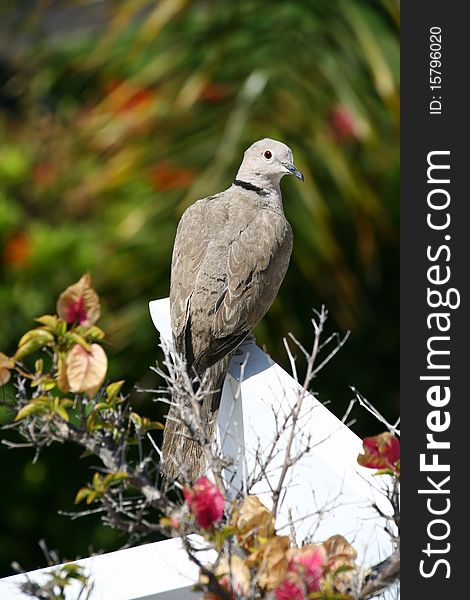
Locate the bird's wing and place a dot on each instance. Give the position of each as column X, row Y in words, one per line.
column 192, row 239
column 256, row 265
column 257, row 261
column 226, row 271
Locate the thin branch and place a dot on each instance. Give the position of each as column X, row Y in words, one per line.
column 371, row 408
column 318, row 327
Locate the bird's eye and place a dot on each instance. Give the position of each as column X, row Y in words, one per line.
column 268, row 154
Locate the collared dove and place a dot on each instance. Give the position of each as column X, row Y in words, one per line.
column 230, row 256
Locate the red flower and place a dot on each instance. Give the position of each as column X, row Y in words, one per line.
column 17, row 251
column 167, row 176
column 214, row 92
column 205, row 501
column 342, row 123
column 124, row 96
column 381, row 452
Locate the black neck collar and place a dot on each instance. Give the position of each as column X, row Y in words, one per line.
column 249, row 186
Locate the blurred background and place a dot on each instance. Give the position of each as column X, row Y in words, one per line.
column 115, row 116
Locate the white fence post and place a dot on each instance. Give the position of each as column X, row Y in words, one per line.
column 327, row 480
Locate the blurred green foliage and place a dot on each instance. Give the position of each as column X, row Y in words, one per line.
column 115, row 116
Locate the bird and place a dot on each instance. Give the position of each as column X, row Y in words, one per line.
column 230, row 256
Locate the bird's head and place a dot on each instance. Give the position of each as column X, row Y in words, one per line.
column 267, row 161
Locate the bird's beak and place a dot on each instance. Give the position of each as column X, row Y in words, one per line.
column 290, row 167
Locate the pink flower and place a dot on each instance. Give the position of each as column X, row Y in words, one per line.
column 304, row 573
column 381, row 452
column 309, row 562
column 224, row 583
column 289, row 590
column 205, row 501
column 76, row 312
column 79, row 303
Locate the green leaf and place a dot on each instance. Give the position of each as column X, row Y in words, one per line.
column 113, row 389
column 114, row 477
column 226, row 531
column 152, row 425
column 94, row 334
column 60, row 410
column 97, row 481
column 384, row 472
column 50, row 321
column 93, row 422
column 40, row 335
column 82, row 494
column 47, row 384
column 136, row 420
column 73, row 571
column 342, row 569
column 101, row 406
column 33, row 340
column 28, row 410
column 36, row 406
column 91, row 497
column 42, row 405
column 74, row 338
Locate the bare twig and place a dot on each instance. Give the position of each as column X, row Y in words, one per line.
column 370, row 408
column 294, row 416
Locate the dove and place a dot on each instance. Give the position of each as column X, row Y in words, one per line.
column 230, row 256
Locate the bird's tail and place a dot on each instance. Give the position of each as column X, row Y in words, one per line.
column 185, row 435
column 183, row 457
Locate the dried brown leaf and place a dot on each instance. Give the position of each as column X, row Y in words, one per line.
column 236, row 572
column 251, row 520
column 271, row 559
column 4, row 376
column 341, row 557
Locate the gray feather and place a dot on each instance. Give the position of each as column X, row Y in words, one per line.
column 230, row 255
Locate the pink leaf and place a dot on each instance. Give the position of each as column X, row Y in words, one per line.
column 86, row 370
column 380, row 452
column 79, row 303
